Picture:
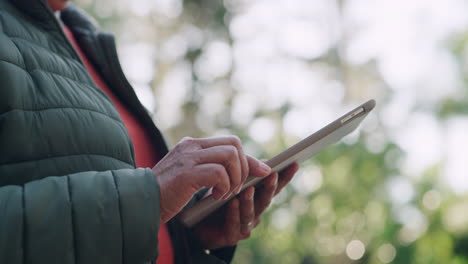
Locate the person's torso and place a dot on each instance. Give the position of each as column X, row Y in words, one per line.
column 53, row 119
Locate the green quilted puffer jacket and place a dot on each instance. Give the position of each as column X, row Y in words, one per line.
column 69, row 189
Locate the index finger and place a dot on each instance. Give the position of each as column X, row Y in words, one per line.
column 229, row 140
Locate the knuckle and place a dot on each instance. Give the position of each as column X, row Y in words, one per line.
column 221, row 179
column 178, row 146
column 251, row 216
column 188, row 141
column 246, row 218
column 231, row 151
column 218, row 171
column 194, row 157
column 190, row 159
column 235, row 140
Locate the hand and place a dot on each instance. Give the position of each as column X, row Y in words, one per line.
column 235, row 220
column 195, row 163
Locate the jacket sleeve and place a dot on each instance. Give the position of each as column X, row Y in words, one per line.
column 88, row 217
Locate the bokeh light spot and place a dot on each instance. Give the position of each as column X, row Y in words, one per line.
column 386, row 253
column 355, row 249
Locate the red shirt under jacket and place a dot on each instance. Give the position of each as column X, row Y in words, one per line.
column 145, row 155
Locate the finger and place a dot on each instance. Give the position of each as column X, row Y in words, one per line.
column 286, row 175
column 258, row 168
column 232, row 222
column 265, row 193
column 233, row 141
column 212, row 175
column 247, row 213
column 228, row 157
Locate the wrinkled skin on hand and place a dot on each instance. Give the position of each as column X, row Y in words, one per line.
column 218, row 162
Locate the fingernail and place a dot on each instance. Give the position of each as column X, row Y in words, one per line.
column 265, row 168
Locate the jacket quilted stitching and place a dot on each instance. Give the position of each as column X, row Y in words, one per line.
column 69, row 191
column 69, row 188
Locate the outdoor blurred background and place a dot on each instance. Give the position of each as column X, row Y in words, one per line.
column 273, row 71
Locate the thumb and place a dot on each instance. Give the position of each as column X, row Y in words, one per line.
column 258, row 168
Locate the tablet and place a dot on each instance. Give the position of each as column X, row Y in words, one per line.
column 301, row 151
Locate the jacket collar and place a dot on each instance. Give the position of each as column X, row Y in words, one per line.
column 72, row 16
column 77, row 20
column 38, row 10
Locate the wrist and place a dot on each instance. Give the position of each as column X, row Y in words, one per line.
column 162, row 210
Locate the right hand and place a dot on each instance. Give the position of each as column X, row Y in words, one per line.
column 195, row 163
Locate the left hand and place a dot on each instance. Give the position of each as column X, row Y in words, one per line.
column 235, row 220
